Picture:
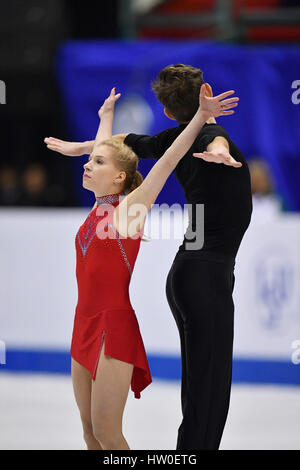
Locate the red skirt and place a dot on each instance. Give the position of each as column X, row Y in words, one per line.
column 123, row 341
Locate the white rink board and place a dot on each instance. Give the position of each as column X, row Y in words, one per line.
column 38, row 288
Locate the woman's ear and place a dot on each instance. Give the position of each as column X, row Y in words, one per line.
column 169, row 115
column 121, row 177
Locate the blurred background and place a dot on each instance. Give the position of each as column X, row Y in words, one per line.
column 58, row 61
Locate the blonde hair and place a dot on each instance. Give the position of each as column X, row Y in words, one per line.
column 125, row 160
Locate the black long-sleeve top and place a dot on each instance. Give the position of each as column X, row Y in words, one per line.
column 225, row 191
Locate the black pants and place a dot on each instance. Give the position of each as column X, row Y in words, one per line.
column 199, row 292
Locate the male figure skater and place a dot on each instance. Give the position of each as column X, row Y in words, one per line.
column 201, row 280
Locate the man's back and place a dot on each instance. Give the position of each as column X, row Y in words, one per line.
column 225, row 191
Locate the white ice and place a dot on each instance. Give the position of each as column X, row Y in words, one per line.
column 39, row 412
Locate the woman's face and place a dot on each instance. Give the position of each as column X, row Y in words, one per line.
column 100, row 173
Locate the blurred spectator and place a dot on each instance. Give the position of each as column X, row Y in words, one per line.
column 10, row 191
column 37, row 191
column 261, row 179
column 266, row 203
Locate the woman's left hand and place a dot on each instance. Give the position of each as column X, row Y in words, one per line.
column 109, row 103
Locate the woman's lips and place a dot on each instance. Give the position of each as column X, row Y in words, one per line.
column 86, row 176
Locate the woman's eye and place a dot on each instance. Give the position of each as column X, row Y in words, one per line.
column 99, row 161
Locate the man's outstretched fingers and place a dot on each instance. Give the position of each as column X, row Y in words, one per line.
column 51, row 140
column 232, row 162
column 198, row 155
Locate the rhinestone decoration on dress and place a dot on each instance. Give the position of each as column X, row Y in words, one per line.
column 88, row 230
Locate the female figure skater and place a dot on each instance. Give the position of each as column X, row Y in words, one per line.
column 107, row 349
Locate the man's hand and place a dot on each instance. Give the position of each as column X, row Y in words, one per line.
column 218, row 155
column 214, row 106
column 72, row 149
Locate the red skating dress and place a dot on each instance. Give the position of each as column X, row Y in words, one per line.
column 104, row 265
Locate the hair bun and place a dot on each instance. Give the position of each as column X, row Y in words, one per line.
column 136, row 181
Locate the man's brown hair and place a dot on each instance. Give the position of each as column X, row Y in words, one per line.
column 177, row 88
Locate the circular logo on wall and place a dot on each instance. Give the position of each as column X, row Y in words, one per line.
column 275, row 289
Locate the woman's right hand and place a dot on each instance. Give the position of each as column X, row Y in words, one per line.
column 109, row 103
column 72, row 149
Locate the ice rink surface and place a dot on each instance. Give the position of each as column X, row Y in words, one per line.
column 39, row 412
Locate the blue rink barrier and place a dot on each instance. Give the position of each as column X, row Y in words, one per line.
column 256, row 371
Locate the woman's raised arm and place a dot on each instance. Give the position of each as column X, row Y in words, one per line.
column 106, row 115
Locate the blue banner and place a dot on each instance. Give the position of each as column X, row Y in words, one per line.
column 265, row 125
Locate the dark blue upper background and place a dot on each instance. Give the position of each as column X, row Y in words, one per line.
column 266, row 123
